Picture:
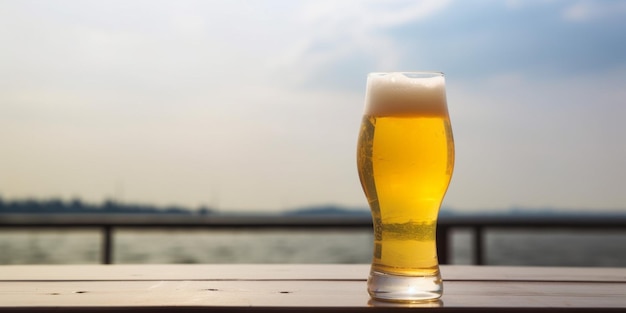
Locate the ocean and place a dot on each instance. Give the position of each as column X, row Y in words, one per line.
column 503, row 247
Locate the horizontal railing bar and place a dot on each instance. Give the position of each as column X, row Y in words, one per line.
column 536, row 221
column 292, row 222
column 182, row 221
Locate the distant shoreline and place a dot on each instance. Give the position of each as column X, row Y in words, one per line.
column 76, row 206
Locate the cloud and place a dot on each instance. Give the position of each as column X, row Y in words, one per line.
column 368, row 14
column 349, row 37
column 481, row 39
column 585, row 11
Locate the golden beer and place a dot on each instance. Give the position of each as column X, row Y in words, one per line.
column 405, row 160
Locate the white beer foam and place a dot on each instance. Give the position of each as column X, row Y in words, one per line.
column 400, row 94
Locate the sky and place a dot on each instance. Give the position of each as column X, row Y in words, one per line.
column 256, row 105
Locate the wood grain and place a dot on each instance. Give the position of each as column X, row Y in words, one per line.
column 297, row 287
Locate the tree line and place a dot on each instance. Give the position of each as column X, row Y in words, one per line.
column 79, row 206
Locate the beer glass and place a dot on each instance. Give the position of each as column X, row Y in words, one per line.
column 405, row 158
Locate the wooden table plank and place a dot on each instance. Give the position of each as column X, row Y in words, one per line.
column 300, row 294
column 519, row 273
column 183, row 272
column 296, row 287
column 294, row 271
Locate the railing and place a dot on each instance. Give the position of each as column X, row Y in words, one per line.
column 478, row 224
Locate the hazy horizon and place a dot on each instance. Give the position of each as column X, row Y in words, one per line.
column 243, row 105
column 112, row 206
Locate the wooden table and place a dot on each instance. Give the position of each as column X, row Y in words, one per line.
column 298, row 288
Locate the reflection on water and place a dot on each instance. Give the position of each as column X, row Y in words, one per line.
column 49, row 247
column 243, row 247
column 504, row 247
column 186, row 246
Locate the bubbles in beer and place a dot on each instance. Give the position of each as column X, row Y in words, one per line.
column 406, row 94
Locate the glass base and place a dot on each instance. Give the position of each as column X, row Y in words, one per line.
column 406, row 289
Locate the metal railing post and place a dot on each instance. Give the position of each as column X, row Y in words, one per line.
column 478, row 246
column 107, row 244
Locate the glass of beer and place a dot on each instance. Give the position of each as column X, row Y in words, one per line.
column 405, row 158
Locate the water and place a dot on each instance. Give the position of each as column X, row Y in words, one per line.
column 504, row 247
